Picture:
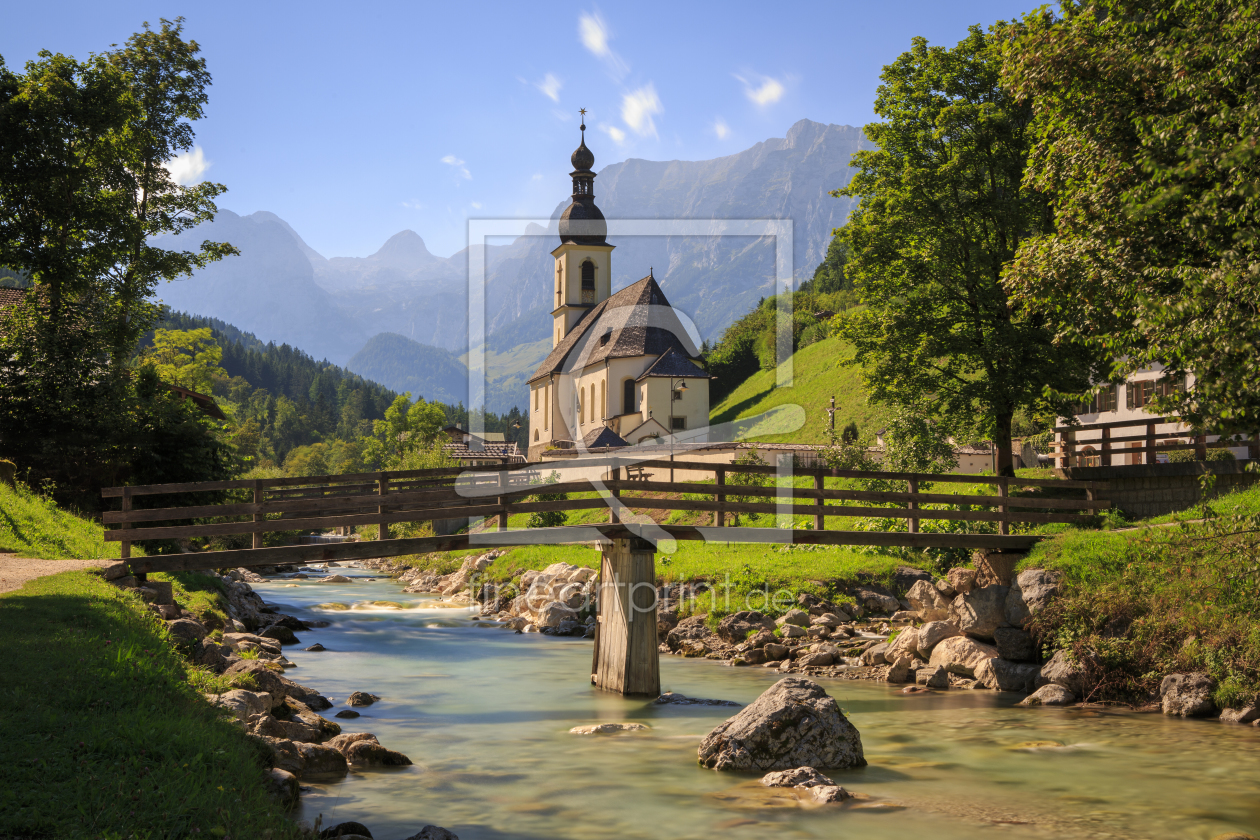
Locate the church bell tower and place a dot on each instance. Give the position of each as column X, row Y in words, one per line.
column 583, row 273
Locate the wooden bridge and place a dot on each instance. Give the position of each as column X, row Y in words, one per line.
column 625, row 650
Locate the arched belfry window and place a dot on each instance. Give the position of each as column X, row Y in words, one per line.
column 588, row 275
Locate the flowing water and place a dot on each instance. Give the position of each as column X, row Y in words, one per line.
column 485, row 715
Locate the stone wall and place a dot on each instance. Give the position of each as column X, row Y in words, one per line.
column 1142, row 490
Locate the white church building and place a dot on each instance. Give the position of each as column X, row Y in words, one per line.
column 622, row 369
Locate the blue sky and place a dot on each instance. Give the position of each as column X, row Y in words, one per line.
column 353, row 121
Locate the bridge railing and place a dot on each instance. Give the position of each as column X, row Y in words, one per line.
column 1097, row 444
column 498, row 491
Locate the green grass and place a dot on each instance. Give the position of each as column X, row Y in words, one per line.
column 816, row 377
column 33, row 526
column 107, row 738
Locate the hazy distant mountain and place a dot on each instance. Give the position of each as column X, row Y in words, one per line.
column 401, row 364
column 268, row 290
column 281, row 289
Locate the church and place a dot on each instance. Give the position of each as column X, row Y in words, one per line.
column 622, row 369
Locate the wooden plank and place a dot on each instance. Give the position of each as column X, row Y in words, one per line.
column 243, row 484
column 258, row 517
column 852, row 510
column 1116, row 424
column 221, row 528
column 366, row 501
column 569, row 534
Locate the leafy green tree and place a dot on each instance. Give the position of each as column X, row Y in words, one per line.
column 829, row 276
column 186, row 357
column 406, row 427
column 548, row 518
column 1146, row 119
column 942, row 211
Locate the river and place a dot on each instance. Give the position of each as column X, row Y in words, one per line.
column 485, row 715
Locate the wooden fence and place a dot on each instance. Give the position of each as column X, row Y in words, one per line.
column 386, row 498
column 1101, row 445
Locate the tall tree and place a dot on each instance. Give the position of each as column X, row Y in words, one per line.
column 1146, row 123
column 942, row 211
column 83, row 191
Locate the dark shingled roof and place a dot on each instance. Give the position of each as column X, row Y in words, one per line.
column 602, row 437
column 635, row 338
column 673, row 365
column 11, row 297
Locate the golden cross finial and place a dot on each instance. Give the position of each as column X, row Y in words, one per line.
column 582, row 111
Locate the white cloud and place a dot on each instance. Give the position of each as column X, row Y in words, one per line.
column 550, row 86
column 186, row 168
column 451, row 160
column 637, row 108
column 618, row 136
column 563, row 116
column 721, row 129
column 593, row 33
column 537, row 176
column 476, row 205
column 413, row 205
column 767, row 92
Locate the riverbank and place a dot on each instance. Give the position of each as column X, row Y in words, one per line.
column 107, row 737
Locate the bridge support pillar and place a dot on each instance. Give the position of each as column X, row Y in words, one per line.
column 625, row 658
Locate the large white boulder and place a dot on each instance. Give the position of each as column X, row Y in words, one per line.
column 932, row 634
column 1030, row 592
column 981, row 611
column 928, row 600
column 961, row 655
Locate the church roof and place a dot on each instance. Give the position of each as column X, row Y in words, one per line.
column 634, row 338
column 675, row 366
column 602, row 437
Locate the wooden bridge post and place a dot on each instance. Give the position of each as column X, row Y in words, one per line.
column 819, row 519
column 257, row 542
column 719, row 481
column 614, row 474
column 124, row 548
column 1004, row 525
column 626, row 658
column 1253, row 448
column 382, row 487
column 502, row 501
column 1150, row 444
column 912, row 486
column 1200, row 447
column 1106, row 448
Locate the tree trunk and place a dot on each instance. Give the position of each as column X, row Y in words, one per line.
column 1002, row 443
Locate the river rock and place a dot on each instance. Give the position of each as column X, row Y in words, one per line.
column 933, row 633
column 1061, row 670
column 752, row 656
column 1015, row 644
column 930, row 603
column 961, row 655
column 775, row 651
column 1187, row 695
column 244, row 704
column 433, row 832
column 1247, row 714
column 186, row 630
column 264, row 678
column 676, row 699
column 666, row 620
column 946, row 589
column 321, row 760
column 283, row 787
column 899, row 671
column 798, row 617
column 736, row 627
column 1030, row 592
column 692, row 628
column 762, row 638
column 961, row 579
column 791, row 631
column 315, row 648
column 798, row 777
column 824, row 794
column 794, row 723
column 284, row 754
column 334, row 579
column 906, row 644
column 209, row 655
column 981, row 611
column 1004, row 675
column 607, row 728
column 905, row 577
column 280, row 633
column 816, row 606
column 361, row 698
column 828, row 620
column 345, row 829
column 932, row 676
column 372, row 754
column 251, row 641
column 309, row 697
column 1049, row 695
column 347, row 713
column 292, row 730
column 816, row 659
column 876, row 654
column 876, row 599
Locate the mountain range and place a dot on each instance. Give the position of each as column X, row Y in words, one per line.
column 400, row 316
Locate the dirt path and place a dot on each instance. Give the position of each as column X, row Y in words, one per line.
column 15, row 571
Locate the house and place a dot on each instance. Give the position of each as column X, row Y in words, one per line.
column 476, row 450
column 1117, row 427
column 622, row 369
